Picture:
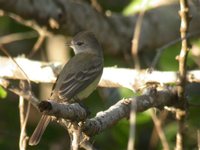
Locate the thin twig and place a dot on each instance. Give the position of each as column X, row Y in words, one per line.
column 134, row 51
column 37, row 45
column 198, row 139
column 158, row 126
column 29, row 23
column 75, row 141
column 27, row 94
column 18, row 66
column 131, row 141
column 22, row 141
column 160, row 50
column 136, row 37
column 181, row 111
column 96, row 5
column 23, row 119
column 17, row 37
column 154, row 136
column 23, row 122
column 42, row 31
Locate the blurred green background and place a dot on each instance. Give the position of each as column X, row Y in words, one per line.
column 55, row 136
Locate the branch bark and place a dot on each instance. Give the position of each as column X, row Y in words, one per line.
column 114, row 31
column 132, row 79
column 105, row 119
column 182, row 110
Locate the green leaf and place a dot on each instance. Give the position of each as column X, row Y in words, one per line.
column 167, row 60
column 124, row 92
column 143, row 118
column 136, row 6
column 3, row 93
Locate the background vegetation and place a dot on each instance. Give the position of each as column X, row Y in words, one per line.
column 113, row 138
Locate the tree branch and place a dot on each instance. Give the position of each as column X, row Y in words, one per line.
column 132, row 79
column 73, row 16
column 72, row 112
column 121, row 109
column 104, row 119
column 182, row 109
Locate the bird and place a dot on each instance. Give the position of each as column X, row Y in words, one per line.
column 78, row 78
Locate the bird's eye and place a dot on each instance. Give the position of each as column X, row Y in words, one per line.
column 79, row 43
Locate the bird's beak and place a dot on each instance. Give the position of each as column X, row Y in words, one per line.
column 70, row 44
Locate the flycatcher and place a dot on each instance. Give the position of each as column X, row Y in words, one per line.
column 78, row 78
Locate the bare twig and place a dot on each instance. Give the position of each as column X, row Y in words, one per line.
column 22, row 139
column 38, row 43
column 23, row 121
column 42, row 31
column 96, row 5
column 154, row 136
column 181, row 111
column 160, row 50
column 184, row 10
column 198, row 139
column 17, row 66
column 27, row 94
column 75, row 138
column 158, row 126
column 131, row 141
column 134, row 51
column 136, row 37
column 17, row 36
column 29, row 23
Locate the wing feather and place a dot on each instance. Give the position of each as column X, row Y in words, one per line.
column 80, row 80
column 72, row 81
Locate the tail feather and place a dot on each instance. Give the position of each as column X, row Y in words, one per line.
column 38, row 132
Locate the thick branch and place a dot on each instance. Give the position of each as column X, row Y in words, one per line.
column 114, row 31
column 72, row 112
column 112, row 77
column 106, row 119
column 111, row 116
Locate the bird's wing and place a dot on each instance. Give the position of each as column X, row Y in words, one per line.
column 75, row 82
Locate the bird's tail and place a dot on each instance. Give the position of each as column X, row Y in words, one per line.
column 38, row 132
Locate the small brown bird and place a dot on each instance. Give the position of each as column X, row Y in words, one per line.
column 78, row 78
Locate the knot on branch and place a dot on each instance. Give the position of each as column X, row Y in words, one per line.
column 92, row 127
column 44, row 106
column 73, row 112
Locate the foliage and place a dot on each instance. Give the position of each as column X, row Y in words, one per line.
column 3, row 93
column 114, row 138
